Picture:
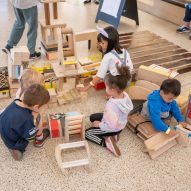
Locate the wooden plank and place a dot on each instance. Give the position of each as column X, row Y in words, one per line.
column 158, row 55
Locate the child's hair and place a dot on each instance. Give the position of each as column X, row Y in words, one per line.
column 30, row 77
column 113, row 39
column 119, row 82
column 172, row 86
column 36, row 94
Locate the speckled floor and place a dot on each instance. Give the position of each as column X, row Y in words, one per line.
column 134, row 170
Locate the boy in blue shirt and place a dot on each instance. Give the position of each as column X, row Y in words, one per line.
column 161, row 105
column 17, row 122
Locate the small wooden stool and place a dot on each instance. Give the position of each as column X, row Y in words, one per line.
column 61, row 147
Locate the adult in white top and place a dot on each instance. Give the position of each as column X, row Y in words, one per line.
column 108, row 39
column 25, row 12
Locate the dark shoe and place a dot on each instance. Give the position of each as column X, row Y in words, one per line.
column 16, row 154
column 40, row 143
column 96, row 2
column 111, row 146
column 183, row 29
column 87, row 1
column 35, row 55
column 7, row 49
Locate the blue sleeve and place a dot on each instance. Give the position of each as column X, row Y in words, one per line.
column 176, row 112
column 154, row 113
column 29, row 130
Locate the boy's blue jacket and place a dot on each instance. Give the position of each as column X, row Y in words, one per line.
column 157, row 109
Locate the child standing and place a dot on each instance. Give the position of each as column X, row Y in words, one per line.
column 110, row 123
column 161, row 105
column 108, row 39
column 17, row 126
column 187, row 18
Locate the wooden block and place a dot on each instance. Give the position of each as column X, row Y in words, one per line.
column 138, row 92
column 152, row 74
column 147, row 85
column 89, row 35
column 184, row 135
column 85, row 61
column 160, row 143
column 53, row 95
column 74, row 124
column 61, row 147
column 19, row 54
column 142, row 125
column 56, row 125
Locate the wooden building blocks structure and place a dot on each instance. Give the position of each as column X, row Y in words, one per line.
column 49, row 32
column 74, row 124
column 90, row 36
column 71, row 123
column 62, row 147
column 160, row 143
column 18, row 60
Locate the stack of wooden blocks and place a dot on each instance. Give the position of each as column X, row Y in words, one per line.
column 71, row 123
column 4, row 84
column 18, row 60
column 53, row 98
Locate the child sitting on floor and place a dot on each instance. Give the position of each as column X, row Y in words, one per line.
column 161, row 105
column 110, row 123
column 113, row 54
column 17, row 126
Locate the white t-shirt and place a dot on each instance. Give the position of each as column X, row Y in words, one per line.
column 24, row 4
column 109, row 62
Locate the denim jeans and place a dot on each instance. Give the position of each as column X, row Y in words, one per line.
column 187, row 17
column 23, row 16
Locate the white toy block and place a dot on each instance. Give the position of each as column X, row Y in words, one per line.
column 61, row 147
column 19, row 55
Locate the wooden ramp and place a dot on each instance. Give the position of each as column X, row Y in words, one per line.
column 147, row 48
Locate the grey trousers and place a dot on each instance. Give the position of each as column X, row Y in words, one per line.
column 23, row 16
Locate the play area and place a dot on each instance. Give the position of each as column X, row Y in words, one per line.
column 70, row 120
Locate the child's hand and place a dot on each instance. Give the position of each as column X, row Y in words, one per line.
column 95, row 124
column 183, row 123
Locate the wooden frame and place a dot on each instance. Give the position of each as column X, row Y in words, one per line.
column 61, row 147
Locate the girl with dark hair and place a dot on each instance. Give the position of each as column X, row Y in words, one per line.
column 113, row 54
column 108, row 125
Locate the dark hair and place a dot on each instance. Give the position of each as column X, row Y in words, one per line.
column 113, row 39
column 36, row 94
column 172, row 86
column 119, row 82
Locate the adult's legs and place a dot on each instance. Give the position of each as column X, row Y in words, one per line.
column 18, row 28
column 31, row 17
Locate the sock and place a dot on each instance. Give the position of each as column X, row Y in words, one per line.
column 39, row 137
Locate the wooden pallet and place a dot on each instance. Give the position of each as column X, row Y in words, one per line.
column 147, row 48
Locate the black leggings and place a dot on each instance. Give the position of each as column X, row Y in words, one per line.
column 95, row 134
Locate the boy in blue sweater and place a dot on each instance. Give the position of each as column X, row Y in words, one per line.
column 17, row 121
column 161, row 105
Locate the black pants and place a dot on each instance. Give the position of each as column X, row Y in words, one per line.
column 95, row 134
